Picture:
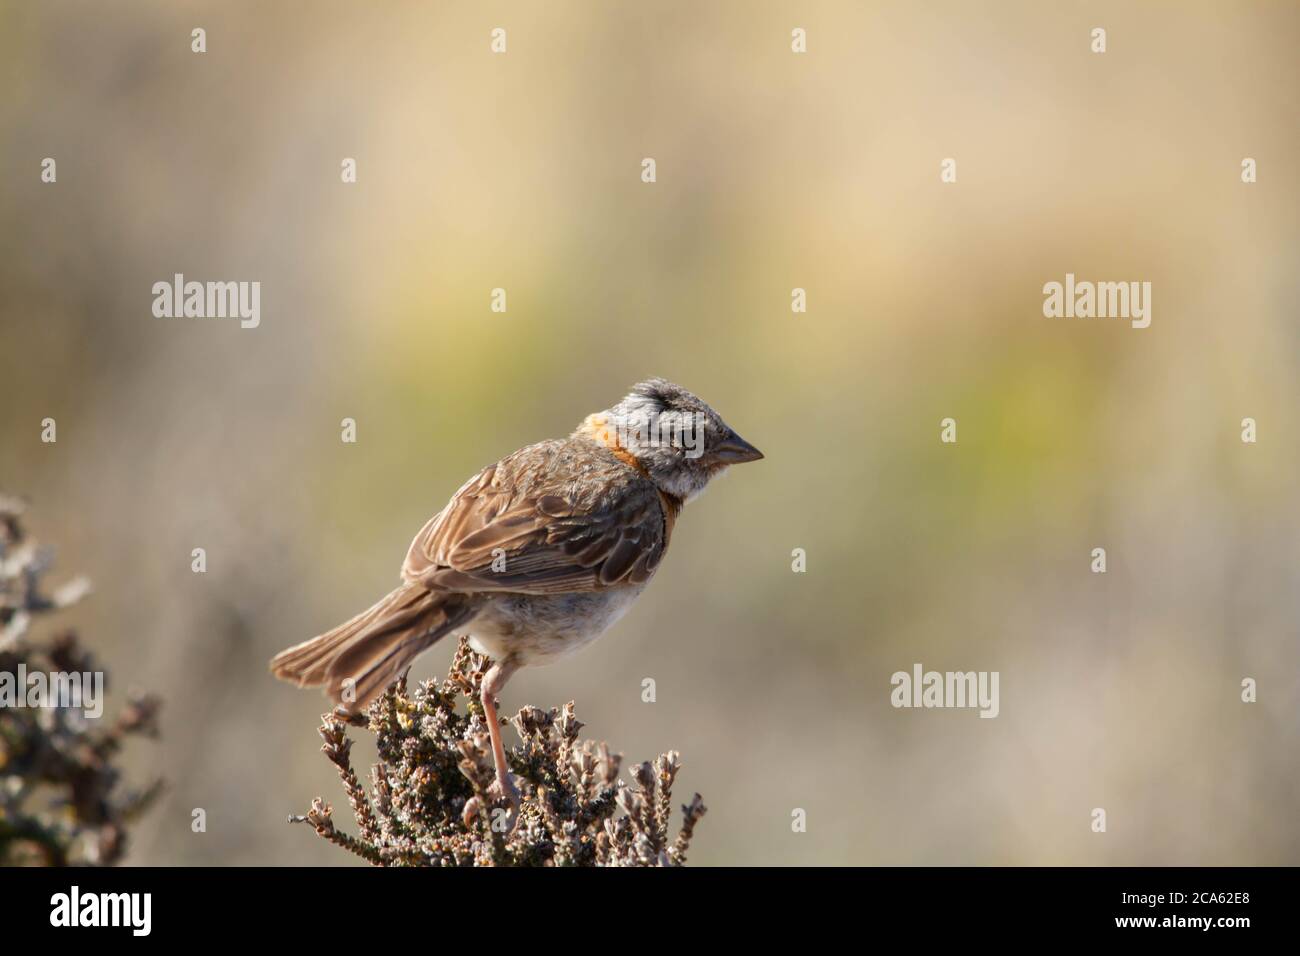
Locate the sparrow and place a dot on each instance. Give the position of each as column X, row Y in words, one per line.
column 535, row 556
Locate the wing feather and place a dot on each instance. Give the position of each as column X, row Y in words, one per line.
column 527, row 510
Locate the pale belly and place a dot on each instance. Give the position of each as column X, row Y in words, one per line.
column 540, row 629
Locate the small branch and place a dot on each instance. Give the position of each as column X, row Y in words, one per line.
column 429, row 803
column 319, row 817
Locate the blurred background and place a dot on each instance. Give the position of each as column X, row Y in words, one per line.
column 775, row 171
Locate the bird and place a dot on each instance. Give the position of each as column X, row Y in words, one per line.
column 533, row 557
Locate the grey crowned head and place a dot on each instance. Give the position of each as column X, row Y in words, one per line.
column 676, row 437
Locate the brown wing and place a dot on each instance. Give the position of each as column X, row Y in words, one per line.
column 527, row 514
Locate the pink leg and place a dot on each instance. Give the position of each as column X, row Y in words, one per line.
column 493, row 682
column 504, row 786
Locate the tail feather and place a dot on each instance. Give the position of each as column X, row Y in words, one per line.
column 306, row 664
column 357, row 660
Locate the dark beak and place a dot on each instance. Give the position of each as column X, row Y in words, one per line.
column 734, row 450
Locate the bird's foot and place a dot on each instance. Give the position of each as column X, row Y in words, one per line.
column 502, row 789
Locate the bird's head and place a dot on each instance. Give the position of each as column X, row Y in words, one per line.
column 671, row 435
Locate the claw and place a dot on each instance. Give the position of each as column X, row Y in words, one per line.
column 502, row 788
column 470, row 812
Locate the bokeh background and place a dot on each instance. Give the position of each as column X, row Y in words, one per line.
column 775, row 171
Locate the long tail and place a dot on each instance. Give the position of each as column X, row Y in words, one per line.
column 357, row 660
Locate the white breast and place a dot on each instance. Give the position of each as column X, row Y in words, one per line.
column 540, row 629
